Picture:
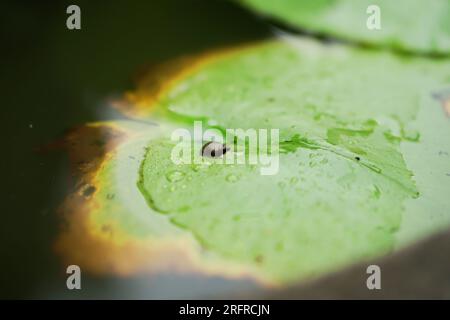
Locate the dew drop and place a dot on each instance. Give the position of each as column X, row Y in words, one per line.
column 214, row 149
column 231, row 178
column 175, row 176
column 196, row 167
column 312, row 164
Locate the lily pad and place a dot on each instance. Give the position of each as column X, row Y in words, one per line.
column 410, row 25
column 355, row 178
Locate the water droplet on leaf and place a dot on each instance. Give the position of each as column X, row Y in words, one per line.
column 175, row 176
column 232, row 178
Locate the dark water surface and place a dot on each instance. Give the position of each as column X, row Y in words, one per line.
column 53, row 79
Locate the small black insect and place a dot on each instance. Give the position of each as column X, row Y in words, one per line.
column 357, row 158
column 214, row 149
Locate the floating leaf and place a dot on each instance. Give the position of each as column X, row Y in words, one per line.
column 359, row 166
column 409, row 25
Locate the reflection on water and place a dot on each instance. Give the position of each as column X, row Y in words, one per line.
column 56, row 79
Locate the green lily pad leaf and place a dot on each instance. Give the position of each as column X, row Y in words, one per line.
column 319, row 212
column 362, row 171
column 302, row 86
column 343, row 180
column 411, row 25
